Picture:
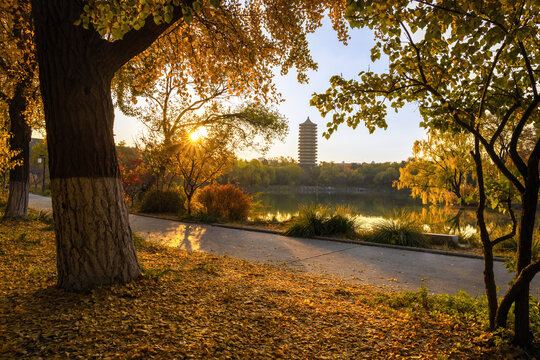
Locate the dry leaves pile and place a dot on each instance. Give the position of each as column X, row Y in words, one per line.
column 195, row 305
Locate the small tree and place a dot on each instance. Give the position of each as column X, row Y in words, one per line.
column 200, row 161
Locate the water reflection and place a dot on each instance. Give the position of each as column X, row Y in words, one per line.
column 372, row 207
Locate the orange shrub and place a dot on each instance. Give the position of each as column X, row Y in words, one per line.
column 224, row 202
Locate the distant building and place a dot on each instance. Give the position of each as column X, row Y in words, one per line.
column 307, row 144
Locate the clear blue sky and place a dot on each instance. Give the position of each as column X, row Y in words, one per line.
column 393, row 144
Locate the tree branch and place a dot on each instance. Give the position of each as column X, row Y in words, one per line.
column 465, row 14
column 505, row 119
column 417, row 50
column 514, row 225
column 518, row 161
column 136, row 41
column 488, row 80
column 530, row 71
column 524, row 277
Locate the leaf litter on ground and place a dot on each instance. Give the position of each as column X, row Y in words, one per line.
column 202, row 306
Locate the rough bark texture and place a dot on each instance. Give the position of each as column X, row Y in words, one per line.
column 75, row 71
column 17, row 205
column 19, row 177
column 91, row 251
column 94, row 242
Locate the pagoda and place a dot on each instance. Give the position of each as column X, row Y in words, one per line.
column 307, row 144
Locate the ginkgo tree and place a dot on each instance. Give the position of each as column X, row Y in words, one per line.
column 82, row 44
column 20, row 95
column 462, row 62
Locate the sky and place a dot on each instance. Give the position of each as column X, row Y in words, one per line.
column 345, row 145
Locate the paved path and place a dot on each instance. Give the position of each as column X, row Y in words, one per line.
column 381, row 267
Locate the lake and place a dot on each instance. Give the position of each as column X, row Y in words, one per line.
column 373, row 206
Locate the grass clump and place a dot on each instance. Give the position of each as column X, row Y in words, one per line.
column 400, row 230
column 461, row 307
column 318, row 220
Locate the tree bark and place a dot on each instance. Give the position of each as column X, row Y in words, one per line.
column 487, row 247
column 93, row 237
column 19, row 177
column 94, row 243
column 519, row 291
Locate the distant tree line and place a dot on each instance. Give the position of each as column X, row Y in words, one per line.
column 287, row 172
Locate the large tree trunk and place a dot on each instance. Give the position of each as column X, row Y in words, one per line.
column 19, row 177
column 93, row 236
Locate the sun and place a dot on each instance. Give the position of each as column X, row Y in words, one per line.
column 197, row 134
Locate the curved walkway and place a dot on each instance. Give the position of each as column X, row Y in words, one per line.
column 384, row 268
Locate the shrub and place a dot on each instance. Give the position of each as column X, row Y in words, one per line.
column 318, row 220
column 400, row 230
column 158, row 201
column 224, row 202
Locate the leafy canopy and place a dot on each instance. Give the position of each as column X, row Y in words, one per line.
column 441, row 55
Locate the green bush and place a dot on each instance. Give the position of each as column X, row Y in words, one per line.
column 158, row 201
column 400, row 230
column 318, row 220
column 224, row 202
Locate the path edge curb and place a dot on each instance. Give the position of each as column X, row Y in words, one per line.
column 347, row 241
column 364, row 243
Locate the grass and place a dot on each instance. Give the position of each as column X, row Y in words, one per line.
column 399, row 230
column 318, row 220
column 196, row 305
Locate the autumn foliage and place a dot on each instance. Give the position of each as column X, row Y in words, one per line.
column 197, row 305
column 225, row 202
column 135, row 173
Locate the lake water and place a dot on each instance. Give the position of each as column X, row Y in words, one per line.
column 373, row 206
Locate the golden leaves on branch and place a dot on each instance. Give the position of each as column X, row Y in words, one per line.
column 239, row 43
